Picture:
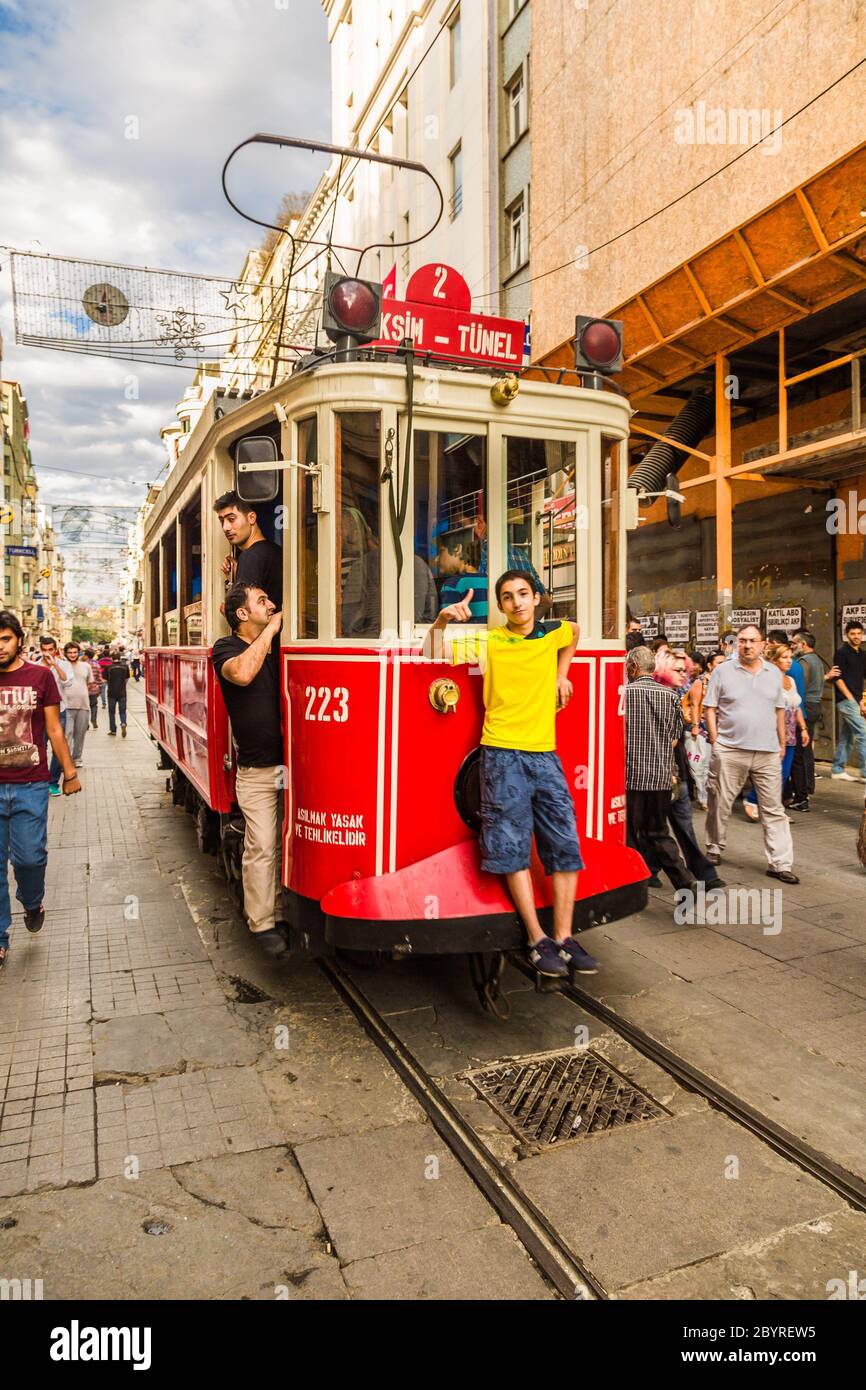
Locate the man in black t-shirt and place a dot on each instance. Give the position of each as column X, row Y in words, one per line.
column 248, row 673
column 258, row 561
column 850, row 662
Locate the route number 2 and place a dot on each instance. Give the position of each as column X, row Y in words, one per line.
column 333, row 704
column 441, row 277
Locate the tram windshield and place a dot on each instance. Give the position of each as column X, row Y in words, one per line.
column 542, row 519
column 450, row 535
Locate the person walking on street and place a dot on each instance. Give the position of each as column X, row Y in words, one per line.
column 94, row 685
column 136, row 659
column 670, row 671
column 77, row 697
column 49, row 658
column 745, row 712
column 29, row 711
column 524, row 791
column 850, row 661
column 803, row 767
column 116, row 678
column 653, row 724
column 104, row 661
column 780, row 654
column 248, row 673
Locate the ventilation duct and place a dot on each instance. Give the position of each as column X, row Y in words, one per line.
column 689, row 427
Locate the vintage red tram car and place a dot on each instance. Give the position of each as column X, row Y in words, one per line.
column 396, row 470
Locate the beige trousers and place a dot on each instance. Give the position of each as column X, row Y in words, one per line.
column 729, row 769
column 260, row 798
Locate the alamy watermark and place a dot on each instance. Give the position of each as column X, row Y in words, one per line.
column 738, row 125
column 734, row 906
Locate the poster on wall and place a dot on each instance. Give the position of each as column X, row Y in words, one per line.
column 707, row 630
column 788, row 619
column 676, row 626
column 741, row 616
column 649, row 625
column 851, row 613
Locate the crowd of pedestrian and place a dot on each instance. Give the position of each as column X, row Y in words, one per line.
column 48, row 704
column 739, row 723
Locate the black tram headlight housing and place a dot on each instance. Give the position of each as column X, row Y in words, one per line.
column 598, row 345
column 352, row 309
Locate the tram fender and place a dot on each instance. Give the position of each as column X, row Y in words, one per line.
column 452, row 884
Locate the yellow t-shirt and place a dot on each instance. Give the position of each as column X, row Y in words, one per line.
column 519, row 683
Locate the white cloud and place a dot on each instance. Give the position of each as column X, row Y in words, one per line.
column 198, row 79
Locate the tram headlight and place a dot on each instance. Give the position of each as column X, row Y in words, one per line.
column 598, row 345
column 353, row 309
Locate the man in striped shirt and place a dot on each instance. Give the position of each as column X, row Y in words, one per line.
column 653, row 724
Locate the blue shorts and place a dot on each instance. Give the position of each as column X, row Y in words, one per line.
column 522, row 793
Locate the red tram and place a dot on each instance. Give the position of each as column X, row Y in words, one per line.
column 380, row 473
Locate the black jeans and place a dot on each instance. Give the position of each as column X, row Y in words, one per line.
column 113, row 702
column 681, row 823
column 801, row 783
column 647, row 832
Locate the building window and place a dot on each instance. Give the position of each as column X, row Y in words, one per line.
column 455, row 160
column 7, row 463
column 25, row 585
column 517, row 107
column 455, row 42
column 519, row 232
column 7, row 584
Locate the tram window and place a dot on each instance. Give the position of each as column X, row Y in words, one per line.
column 190, row 602
column 308, row 549
column 169, row 587
column 358, row 527
column 542, row 520
column 610, row 537
column 450, row 523
column 155, row 600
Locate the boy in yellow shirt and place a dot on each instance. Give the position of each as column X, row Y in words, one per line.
column 523, row 786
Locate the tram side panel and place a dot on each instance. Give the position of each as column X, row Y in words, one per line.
column 187, row 717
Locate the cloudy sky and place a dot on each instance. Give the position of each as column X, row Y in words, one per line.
column 198, row 77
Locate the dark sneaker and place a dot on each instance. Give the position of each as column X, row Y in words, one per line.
column 112, row 733
column 654, row 881
column 544, row 955
column 576, row 958
column 799, row 806
column 783, row 875
column 34, row 918
column 710, row 884
column 123, row 731
column 272, row 942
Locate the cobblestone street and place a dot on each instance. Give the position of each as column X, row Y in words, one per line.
column 181, row 1118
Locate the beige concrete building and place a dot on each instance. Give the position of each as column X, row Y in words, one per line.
column 698, row 172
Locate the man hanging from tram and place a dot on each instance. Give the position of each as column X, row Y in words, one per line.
column 523, row 787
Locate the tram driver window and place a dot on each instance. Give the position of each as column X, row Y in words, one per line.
column 358, row 528
column 450, row 523
column 541, row 519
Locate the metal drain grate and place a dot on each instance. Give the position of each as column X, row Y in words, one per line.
column 562, row 1095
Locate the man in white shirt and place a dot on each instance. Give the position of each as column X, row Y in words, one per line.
column 49, row 657
column 744, row 708
column 77, row 698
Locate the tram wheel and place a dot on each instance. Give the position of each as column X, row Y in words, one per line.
column 177, row 786
column 231, row 857
column 206, row 830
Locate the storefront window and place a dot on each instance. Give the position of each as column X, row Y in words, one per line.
column 610, row 538
column 450, row 523
column 308, row 548
column 542, row 520
column 358, row 524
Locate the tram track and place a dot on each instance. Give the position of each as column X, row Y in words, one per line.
column 565, row 1269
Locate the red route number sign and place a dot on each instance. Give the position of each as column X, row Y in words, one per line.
column 437, row 315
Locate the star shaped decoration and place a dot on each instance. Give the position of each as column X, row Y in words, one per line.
column 235, row 299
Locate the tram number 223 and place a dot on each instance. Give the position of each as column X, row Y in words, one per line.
column 325, row 704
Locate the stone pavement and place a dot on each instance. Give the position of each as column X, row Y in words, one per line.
column 179, row 1118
